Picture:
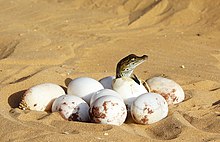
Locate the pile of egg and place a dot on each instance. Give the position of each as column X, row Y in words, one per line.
column 107, row 101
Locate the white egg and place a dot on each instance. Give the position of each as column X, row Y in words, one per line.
column 107, row 82
column 41, row 97
column 149, row 108
column 104, row 92
column 84, row 87
column 108, row 110
column 170, row 90
column 128, row 89
column 71, row 108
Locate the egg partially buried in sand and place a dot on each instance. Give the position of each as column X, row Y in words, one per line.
column 107, row 82
column 104, row 92
column 169, row 89
column 108, row 110
column 41, row 97
column 149, row 108
column 83, row 87
column 71, row 108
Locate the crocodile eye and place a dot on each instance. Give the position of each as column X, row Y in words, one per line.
column 126, row 69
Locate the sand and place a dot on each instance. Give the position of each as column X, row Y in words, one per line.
column 56, row 40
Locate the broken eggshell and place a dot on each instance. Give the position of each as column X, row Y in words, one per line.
column 128, row 89
column 169, row 89
column 107, row 82
column 108, row 110
column 104, row 92
column 84, row 87
column 41, row 97
column 149, row 108
column 71, row 108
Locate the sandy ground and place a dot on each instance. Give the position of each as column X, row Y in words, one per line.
column 53, row 40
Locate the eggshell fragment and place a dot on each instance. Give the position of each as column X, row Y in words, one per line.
column 83, row 87
column 41, row 97
column 107, row 82
column 71, row 108
column 104, row 92
column 128, row 89
column 108, row 110
column 169, row 89
column 149, row 108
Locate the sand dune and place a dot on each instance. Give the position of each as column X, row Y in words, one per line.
column 54, row 40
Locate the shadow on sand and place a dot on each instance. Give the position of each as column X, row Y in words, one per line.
column 15, row 99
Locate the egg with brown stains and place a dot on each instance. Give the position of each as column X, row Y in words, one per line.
column 169, row 89
column 108, row 110
column 71, row 108
column 149, row 108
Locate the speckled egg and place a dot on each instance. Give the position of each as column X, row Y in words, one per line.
column 84, row 87
column 71, row 108
column 107, row 82
column 169, row 89
column 149, row 108
column 41, row 97
column 128, row 89
column 108, row 110
column 104, row 92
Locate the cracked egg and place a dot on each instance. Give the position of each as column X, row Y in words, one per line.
column 128, row 89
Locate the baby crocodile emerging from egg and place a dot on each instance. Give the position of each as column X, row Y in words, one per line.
column 128, row 86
